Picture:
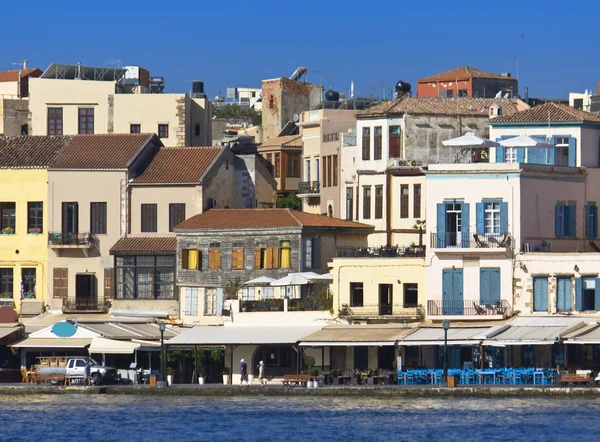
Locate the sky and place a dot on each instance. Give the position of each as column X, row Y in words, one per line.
column 233, row 43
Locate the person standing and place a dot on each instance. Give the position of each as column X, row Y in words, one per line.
column 243, row 372
column 261, row 373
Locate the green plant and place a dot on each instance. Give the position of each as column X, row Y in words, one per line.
column 291, row 201
column 233, row 110
column 313, row 372
column 169, row 371
column 232, row 289
column 225, row 371
column 420, row 226
column 309, row 361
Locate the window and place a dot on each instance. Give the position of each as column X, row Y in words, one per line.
column 356, row 294
column 585, row 294
column 237, row 256
column 377, row 143
column 277, row 165
column 366, row 143
column 29, row 282
column 266, row 257
column 411, row 295
column 335, row 170
column 565, row 219
column 190, row 259
column 35, row 217
column 293, row 165
column 540, row 294
column 197, row 130
column 492, row 217
column 60, row 283
column 404, row 201
column 528, row 356
column 6, row 283
column 591, row 220
column 270, row 158
column 145, row 277
column 248, row 293
column 191, row 302
column 463, row 93
column 24, row 129
column 312, row 253
column 55, row 121
column 446, row 93
column 417, row 201
column 149, row 218
column 86, row 120
column 349, row 202
column 563, row 298
column 135, row 128
column 8, row 219
column 378, row 202
column 367, row 202
column 329, row 171
column 395, row 142
column 286, row 254
column 214, row 256
column 98, row 218
column 70, row 217
column 176, row 215
column 561, row 151
column 163, row 131
column 510, row 154
column 210, row 302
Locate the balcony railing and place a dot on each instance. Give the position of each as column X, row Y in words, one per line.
column 58, row 239
column 84, row 305
column 308, row 188
column 380, row 252
column 383, row 310
column 471, row 241
column 310, row 304
column 264, row 305
column 468, row 308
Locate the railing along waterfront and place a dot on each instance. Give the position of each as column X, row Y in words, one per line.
column 468, row 308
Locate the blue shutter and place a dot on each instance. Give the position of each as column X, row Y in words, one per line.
column 484, row 285
column 219, row 302
column 495, row 285
column 447, row 291
column 499, row 152
column 521, row 155
column 480, row 227
column 597, row 295
column 558, row 220
column 441, row 225
column 552, row 152
column 563, row 302
column 503, row 218
column 540, row 294
column 572, row 152
column 588, row 219
column 594, row 221
column 579, row 294
column 544, row 294
column 458, row 291
column 465, row 219
column 532, row 155
column 572, row 230
column 489, row 285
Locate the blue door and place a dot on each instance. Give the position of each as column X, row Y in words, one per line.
column 452, row 292
column 540, row 294
column 563, row 299
column 489, row 286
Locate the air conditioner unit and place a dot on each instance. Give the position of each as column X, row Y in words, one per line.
column 526, row 248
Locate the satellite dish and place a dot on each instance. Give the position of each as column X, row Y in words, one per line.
column 296, row 118
column 64, row 329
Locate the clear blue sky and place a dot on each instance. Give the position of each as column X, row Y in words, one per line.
column 233, row 43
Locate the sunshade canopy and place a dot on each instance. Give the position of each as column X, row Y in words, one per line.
column 110, row 346
column 291, row 279
column 261, row 280
column 53, row 343
column 356, row 335
column 469, row 140
column 524, row 141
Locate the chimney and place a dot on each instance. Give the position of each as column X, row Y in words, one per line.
column 25, row 65
column 506, row 74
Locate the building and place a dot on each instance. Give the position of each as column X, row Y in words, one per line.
column 15, row 83
column 321, row 155
column 586, row 102
column 14, row 90
column 284, row 155
column 69, row 100
column 242, row 96
column 468, row 82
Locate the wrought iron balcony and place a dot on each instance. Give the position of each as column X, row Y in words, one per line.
column 382, row 311
column 380, row 252
column 469, row 308
column 84, row 305
column 471, row 241
column 82, row 241
column 310, row 188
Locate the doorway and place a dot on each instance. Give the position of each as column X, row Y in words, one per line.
column 385, row 299
column 86, row 292
column 385, row 357
column 361, row 358
column 279, row 360
column 453, row 224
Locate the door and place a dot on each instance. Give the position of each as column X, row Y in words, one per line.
column 361, row 358
column 70, row 221
column 563, row 299
column 489, row 286
column 85, row 292
column 452, row 292
column 385, row 299
column 386, row 356
column 453, row 224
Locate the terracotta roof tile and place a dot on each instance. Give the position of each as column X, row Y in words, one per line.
column 181, row 165
column 145, row 244
column 102, row 151
column 287, row 141
column 438, row 106
column 31, row 151
column 13, row 75
column 464, row 73
column 263, row 218
column 549, row 112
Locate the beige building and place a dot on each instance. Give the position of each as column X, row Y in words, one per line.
column 284, row 154
column 321, row 157
column 14, row 90
column 70, row 103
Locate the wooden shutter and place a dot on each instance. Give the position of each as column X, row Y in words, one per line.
column 257, row 258
column 237, row 259
column 60, row 284
column 269, row 263
column 65, row 219
column 184, row 258
column 214, row 259
column 276, row 262
column 75, row 218
column 108, row 283
column 316, row 253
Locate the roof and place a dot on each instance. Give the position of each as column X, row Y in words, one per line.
column 262, row 219
column 243, row 335
column 287, row 141
column 343, row 335
column 139, row 331
column 13, row 75
column 548, row 113
column 53, row 343
column 145, row 244
column 31, row 151
column 109, row 346
column 464, row 73
column 456, row 336
column 178, row 165
column 527, row 335
column 438, row 106
column 102, row 151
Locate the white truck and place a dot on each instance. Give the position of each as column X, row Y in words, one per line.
column 78, row 368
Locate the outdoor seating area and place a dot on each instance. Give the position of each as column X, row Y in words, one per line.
column 496, row 376
column 358, row 377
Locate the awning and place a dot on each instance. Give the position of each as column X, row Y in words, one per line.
column 110, row 346
column 5, row 331
column 590, row 334
column 435, row 336
column 53, row 343
column 206, row 335
column 356, row 335
column 527, row 335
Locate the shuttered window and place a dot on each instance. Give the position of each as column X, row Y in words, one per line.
column 266, row 258
column 378, row 202
column 98, row 218
column 367, row 202
column 237, row 256
column 404, row 201
column 176, row 215
column 210, row 302
column 60, row 283
column 191, row 259
column 366, row 143
column 191, row 302
column 149, row 218
column 214, row 256
column 417, row 201
column 377, row 143
column 109, row 285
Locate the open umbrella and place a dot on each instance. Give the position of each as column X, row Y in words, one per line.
column 262, row 280
column 469, row 140
column 524, row 141
column 291, row 279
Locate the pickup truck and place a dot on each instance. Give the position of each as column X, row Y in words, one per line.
column 76, row 369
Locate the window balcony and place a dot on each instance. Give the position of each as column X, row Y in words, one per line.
column 308, row 189
column 81, row 241
column 481, row 243
column 380, row 252
column 84, row 306
column 383, row 311
column 476, row 309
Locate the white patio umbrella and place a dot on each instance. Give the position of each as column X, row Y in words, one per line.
column 524, row 141
column 262, row 280
column 291, row 279
column 312, row 276
column 469, row 140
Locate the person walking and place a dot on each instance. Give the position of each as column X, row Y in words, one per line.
column 261, row 374
column 243, row 372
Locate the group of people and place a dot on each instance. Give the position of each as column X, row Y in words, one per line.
column 244, row 373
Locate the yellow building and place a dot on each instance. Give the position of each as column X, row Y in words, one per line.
column 24, row 220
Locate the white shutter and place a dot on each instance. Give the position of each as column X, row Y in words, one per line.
column 188, row 301
column 194, row 302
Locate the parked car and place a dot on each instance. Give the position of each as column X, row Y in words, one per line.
column 80, row 368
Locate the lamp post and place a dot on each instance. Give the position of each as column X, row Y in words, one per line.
column 445, row 326
column 162, row 382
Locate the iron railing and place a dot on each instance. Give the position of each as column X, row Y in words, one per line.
column 471, row 241
column 469, row 308
column 310, row 304
column 308, row 187
column 380, row 252
column 264, row 305
column 83, row 305
column 388, row 310
column 70, row 239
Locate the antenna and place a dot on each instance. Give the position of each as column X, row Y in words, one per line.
column 114, row 61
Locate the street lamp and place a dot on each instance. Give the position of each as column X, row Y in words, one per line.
column 445, row 326
column 162, row 383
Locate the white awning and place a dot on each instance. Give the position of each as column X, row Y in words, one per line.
column 5, row 331
column 356, row 335
column 53, row 343
column 527, row 335
column 110, row 346
column 456, row 336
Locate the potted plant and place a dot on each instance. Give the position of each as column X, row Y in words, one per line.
column 169, row 375
column 8, row 231
column 34, row 230
column 225, row 373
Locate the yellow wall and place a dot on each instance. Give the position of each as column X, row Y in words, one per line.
column 22, row 249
